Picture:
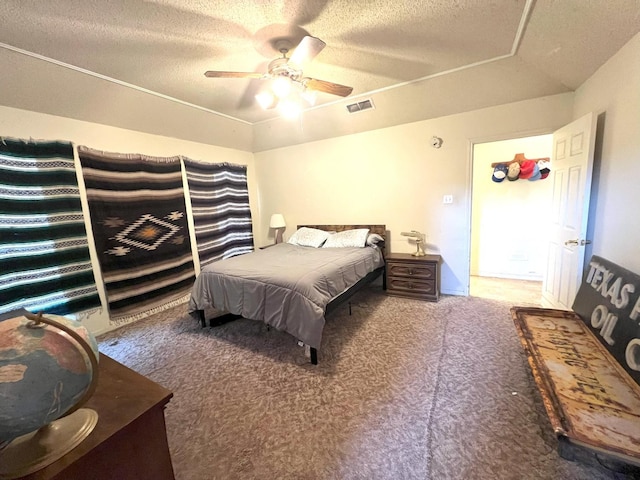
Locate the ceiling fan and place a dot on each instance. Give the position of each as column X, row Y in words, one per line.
column 287, row 75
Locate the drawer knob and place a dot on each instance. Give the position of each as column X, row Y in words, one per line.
column 410, row 272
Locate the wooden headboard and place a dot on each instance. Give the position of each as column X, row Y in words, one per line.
column 379, row 229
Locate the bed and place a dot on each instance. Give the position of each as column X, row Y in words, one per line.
column 288, row 286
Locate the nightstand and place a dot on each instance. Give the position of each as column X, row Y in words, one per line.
column 413, row 277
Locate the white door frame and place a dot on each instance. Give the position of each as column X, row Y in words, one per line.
column 471, row 143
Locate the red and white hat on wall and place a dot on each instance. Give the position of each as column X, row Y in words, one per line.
column 526, row 168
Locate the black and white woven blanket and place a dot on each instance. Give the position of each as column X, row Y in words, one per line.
column 220, row 206
column 139, row 222
column 44, row 254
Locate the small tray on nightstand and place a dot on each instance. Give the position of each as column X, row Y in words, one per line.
column 413, row 277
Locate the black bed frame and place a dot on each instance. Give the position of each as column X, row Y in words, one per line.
column 331, row 306
column 336, row 302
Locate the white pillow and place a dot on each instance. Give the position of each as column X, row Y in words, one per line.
column 373, row 239
column 348, row 238
column 308, row 237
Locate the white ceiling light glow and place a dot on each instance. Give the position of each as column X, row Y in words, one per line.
column 290, row 108
column 289, row 95
column 281, row 86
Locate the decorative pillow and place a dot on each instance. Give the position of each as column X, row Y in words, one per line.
column 348, row 238
column 308, row 237
column 373, row 239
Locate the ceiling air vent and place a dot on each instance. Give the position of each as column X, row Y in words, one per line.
column 360, row 106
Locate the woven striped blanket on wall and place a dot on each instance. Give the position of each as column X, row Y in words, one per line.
column 220, row 207
column 44, row 255
column 139, row 223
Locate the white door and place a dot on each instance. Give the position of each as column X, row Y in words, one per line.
column 571, row 166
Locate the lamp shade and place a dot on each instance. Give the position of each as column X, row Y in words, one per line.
column 277, row 221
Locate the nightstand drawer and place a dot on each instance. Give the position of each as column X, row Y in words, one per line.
column 413, row 270
column 412, row 286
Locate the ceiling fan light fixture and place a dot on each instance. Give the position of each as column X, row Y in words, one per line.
column 281, row 86
column 288, row 89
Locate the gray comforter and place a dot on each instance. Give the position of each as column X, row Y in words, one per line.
column 285, row 286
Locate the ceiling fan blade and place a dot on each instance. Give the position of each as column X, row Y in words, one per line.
column 307, row 50
column 328, row 87
column 216, row 74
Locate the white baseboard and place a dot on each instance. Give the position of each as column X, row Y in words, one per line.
column 533, row 277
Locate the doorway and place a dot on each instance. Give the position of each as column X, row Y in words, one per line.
column 508, row 223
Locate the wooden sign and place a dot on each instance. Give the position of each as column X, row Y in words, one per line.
column 591, row 402
column 608, row 302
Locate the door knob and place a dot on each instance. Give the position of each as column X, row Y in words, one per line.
column 575, row 242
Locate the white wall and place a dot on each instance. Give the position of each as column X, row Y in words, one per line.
column 614, row 90
column 509, row 218
column 393, row 176
column 26, row 124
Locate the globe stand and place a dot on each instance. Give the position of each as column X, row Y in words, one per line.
column 33, row 451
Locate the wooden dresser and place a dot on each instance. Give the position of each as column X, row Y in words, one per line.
column 130, row 440
column 413, row 277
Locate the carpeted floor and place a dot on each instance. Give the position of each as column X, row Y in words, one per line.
column 404, row 390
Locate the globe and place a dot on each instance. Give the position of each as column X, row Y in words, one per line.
column 48, row 369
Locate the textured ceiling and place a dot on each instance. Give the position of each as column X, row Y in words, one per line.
column 163, row 47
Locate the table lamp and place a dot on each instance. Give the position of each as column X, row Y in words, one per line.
column 277, row 222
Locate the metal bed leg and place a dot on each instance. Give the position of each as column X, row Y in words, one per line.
column 203, row 320
column 349, row 308
column 314, row 355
